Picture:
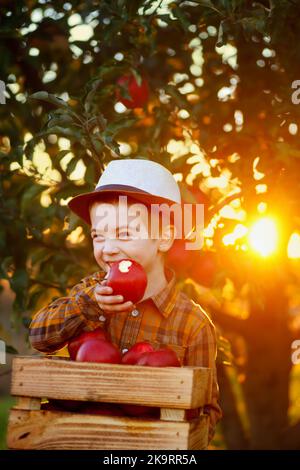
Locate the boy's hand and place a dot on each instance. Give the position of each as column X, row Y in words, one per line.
column 111, row 303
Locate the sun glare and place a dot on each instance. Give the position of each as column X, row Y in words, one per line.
column 294, row 246
column 263, row 236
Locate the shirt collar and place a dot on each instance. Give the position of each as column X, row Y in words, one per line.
column 165, row 299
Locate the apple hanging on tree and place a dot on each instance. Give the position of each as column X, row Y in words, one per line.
column 131, row 93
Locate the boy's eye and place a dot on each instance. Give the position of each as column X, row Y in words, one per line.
column 124, row 234
column 99, row 237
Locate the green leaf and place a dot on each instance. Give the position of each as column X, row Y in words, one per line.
column 115, row 127
column 90, row 98
column 49, row 98
column 61, row 154
column 40, row 254
column 137, row 76
column 10, row 349
column 29, row 197
column 19, row 282
column 204, row 3
column 178, row 97
column 64, row 131
column 185, row 23
column 60, row 121
column 74, row 221
column 6, row 263
column 71, row 166
column 90, row 174
column 97, row 145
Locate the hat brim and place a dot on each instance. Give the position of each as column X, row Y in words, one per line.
column 80, row 204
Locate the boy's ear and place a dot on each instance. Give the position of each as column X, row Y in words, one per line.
column 168, row 236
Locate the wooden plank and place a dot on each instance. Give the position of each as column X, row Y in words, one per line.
column 62, row 430
column 27, row 403
column 171, row 414
column 168, row 387
column 198, row 436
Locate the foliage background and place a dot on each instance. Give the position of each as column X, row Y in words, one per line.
column 220, row 116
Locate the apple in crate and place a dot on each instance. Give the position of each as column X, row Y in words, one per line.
column 135, row 352
column 76, row 342
column 165, row 357
column 98, row 350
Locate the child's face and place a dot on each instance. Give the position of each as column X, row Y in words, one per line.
column 113, row 241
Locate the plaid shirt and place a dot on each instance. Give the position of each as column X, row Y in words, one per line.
column 167, row 318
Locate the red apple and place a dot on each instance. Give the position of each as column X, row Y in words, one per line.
column 161, row 358
column 138, row 94
column 204, row 268
column 135, row 352
column 76, row 342
column 97, row 350
column 179, row 258
column 127, row 278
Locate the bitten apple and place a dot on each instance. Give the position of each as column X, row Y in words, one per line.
column 97, row 350
column 161, row 358
column 76, row 342
column 134, row 353
column 127, row 278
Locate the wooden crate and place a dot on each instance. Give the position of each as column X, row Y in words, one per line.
column 173, row 390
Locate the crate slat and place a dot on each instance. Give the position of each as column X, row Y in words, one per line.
column 28, row 403
column 169, row 387
column 63, row 430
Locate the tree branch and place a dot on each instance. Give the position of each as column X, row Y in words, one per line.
column 234, row 432
column 229, row 322
column 215, row 209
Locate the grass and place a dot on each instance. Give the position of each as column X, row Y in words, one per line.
column 5, row 404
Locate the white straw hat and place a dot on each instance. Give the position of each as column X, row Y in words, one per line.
column 142, row 179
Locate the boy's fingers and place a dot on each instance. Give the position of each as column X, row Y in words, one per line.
column 116, row 307
column 103, row 290
column 110, row 299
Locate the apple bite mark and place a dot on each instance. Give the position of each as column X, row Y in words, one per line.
column 124, row 266
column 127, row 278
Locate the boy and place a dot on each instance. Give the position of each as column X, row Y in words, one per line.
column 164, row 316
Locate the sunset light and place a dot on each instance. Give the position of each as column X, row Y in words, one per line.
column 293, row 248
column 263, row 236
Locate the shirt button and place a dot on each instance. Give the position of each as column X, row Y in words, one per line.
column 102, row 318
column 135, row 313
column 124, row 350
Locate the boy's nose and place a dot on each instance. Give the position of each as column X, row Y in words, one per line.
column 110, row 247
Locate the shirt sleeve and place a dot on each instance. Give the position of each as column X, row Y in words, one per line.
column 54, row 325
column 202, row 352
